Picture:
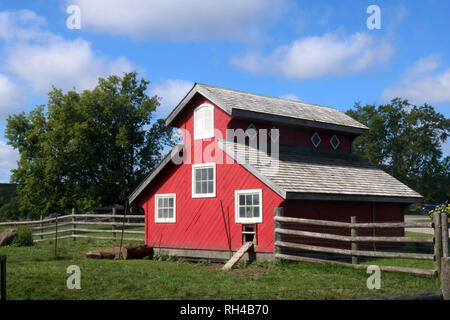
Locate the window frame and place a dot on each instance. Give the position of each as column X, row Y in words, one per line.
column 199, row 166
column 320, row 139
column 204, row 135
column 166, row 220
column 252, row 220
column 338, row 142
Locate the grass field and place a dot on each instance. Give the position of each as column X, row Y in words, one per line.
column 33, row 273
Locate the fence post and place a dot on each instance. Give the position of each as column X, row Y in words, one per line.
column 444, row 226
column 56, row 236
column 277, row 212
column 445, row 278
column 437, row 241
column 41, row 237
column 3, row 277
column 114, row 211
column 354, row 233
column 74, row 226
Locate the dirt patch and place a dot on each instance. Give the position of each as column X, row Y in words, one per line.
column 213, row 266
column 253, row 272
column 246, row 272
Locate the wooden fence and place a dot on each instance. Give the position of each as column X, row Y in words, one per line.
column 91, row 226
column 3, row 277
column 439, row 242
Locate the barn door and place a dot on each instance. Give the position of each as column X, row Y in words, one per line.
column 248, row 233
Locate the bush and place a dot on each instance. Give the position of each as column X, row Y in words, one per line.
column 24, row 237
column 444, row 208
column 158, row 256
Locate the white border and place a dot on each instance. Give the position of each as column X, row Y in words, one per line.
column 236, row 207
column 204, row 165
column 204, row 135
column 167, row 220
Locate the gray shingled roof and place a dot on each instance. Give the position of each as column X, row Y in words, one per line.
column 321, row 175
column 250, row 105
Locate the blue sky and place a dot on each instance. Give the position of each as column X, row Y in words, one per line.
column 315, row 51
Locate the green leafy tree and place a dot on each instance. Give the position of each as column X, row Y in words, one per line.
column 7, row 192
column 11, row 210
column 406, row 141
column 89, row 148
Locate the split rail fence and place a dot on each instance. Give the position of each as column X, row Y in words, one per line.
column 296, row 250
column 2, row 277
column 90, row 226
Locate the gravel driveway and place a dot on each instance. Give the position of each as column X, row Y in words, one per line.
column 412, row 218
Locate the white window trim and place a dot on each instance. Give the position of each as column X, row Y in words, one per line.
column 203, row 135
column 167, row 220
column 204, row 165
column 236, row 207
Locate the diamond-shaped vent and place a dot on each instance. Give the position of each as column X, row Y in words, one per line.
column 315, row 139
column 335, row 142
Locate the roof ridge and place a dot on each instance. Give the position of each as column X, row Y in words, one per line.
column 266, row 96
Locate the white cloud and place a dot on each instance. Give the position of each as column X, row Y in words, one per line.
column 8, row 158
column 179, row 19
column 423, row 82
column 63, row 63
column 12, row 98
column 171, row 93
column 317, row 56
column 22, row 25
column 290, row 96
column 42, row 59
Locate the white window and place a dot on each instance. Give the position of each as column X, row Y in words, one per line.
column 248, row 206
column 204, row 122
column 204, row 180
column 165, row 208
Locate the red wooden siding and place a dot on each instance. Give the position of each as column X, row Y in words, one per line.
column 199, row 222
column 342, row 211
column 299, row 137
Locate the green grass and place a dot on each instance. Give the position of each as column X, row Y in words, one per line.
column 418, row 234
column 33, row 273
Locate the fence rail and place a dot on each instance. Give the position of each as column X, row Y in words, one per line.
column 67, row 226
column 3, row 277
column 296, row 250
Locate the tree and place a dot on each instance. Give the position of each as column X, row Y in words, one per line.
column 406, row 141
column 89, row 148
column 7, row 192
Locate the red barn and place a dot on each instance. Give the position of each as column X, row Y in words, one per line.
column 249, row 154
